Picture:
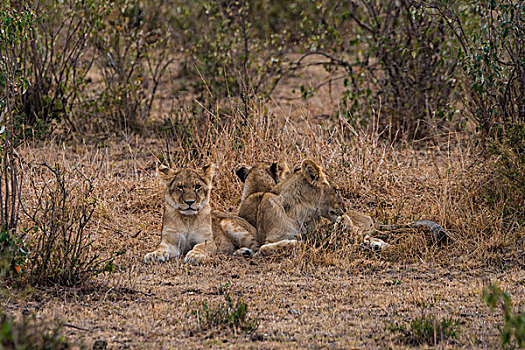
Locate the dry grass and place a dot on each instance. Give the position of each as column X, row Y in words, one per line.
column 339, row 295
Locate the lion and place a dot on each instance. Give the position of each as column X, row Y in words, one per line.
column 268, row 182
column 363, row 227
column 190, row 227
column 305, row 195
column 358, row 223
column 258, row 179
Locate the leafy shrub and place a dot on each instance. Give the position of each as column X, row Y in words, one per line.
column 28, row 333
column 415, row 77
column 492, row 45
column 17, row 25
column 133, row 50
column 232, row 48
column 493, row 63
column 513, row 331
column 232, row 314
column 46, row 43
column 52, row 46
column 57, row 64
column 396, row 59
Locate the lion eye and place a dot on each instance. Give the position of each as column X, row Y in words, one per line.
column 180, row 188
column 197, row 187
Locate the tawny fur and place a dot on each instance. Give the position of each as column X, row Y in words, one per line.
column 360, row 224
column 233, row 234
column 258, row 179
column 190, row 227
column 305, row 195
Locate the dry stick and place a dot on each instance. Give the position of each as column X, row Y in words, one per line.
column 69, row 325
column 136, row 234
column 203, row 80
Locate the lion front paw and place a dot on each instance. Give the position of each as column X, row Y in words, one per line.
column 156, row 256
column 373, row 243
column 244, row 252
column 344, row 223
column 277, row 247
column 194, row 258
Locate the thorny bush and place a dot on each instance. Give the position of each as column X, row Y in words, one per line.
column 59, row 248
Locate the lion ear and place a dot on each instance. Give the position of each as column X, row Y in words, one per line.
column 274, row 171
column 279, row 170
column 242, row 171
column 209, row 171
column 334, row 185
column 311, row 171
column 165, row 173
column 283, row 171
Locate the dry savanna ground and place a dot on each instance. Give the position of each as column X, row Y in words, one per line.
column 330, row 293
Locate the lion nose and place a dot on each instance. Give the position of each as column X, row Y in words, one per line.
column 189, row 202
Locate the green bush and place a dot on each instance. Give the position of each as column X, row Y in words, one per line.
column 46, row 44
column 396, row 59
column 493, row 62
column 230, row 50
column 428, row 329
column 133, row 53
column 513, row 331
column 232, row 314
column 28, row 333
column 17, row 24
column 492, row 45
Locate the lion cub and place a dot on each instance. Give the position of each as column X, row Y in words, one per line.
column 307, row 194
column 189, row 226
column 258, row 179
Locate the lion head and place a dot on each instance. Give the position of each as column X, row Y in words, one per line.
column 261, row 177
column 187, row 190
column 320, row 190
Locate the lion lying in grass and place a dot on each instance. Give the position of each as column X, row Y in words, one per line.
column 291, row 200
column 258, row 179
column 190, row 227
column 305, row 195
column 261, row 179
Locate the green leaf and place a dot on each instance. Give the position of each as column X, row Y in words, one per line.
column 3, row 84
column 25, row 84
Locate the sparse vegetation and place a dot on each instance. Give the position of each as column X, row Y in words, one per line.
column 513, row 331
column 430, row 330
column 232, row 314
column 427, row 329
column 16, row 27
column 59, row 250
column 30, row 333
